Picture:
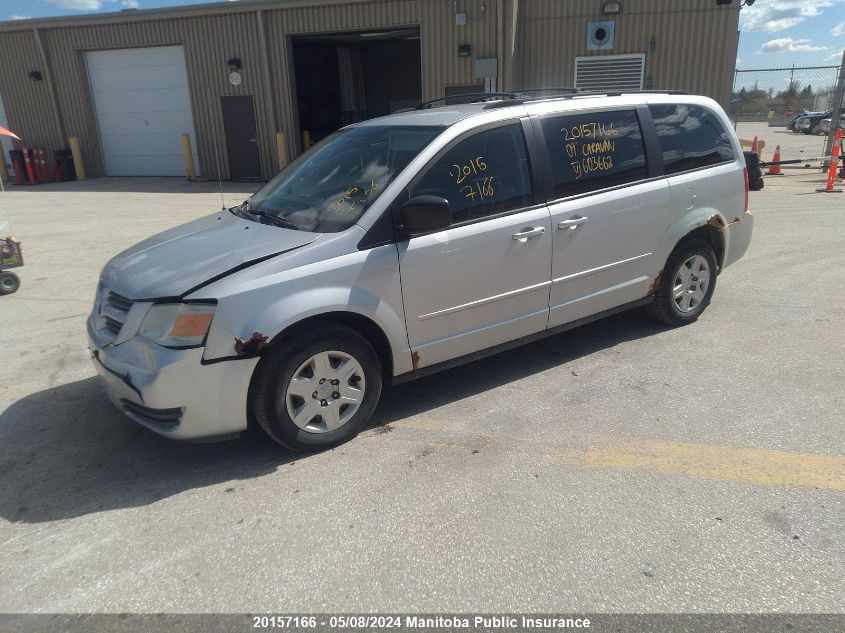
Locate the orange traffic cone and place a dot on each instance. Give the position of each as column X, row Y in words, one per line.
column 754, row 146
column 774, row 170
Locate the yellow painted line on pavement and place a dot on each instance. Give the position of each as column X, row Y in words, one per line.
column 758, row 466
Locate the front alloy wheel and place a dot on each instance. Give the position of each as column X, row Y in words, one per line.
column 317, row 387
column 326, row 391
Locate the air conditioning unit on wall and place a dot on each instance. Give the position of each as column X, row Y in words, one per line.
column 600, row 35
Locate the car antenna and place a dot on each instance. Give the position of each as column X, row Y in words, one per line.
column 217, row 162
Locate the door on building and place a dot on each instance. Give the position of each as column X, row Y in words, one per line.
column 143, row 107
column 241, row 137
column 343, row 78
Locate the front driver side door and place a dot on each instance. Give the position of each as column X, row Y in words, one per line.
column 484, row 280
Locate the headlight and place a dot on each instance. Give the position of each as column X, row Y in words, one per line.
column 177, row 324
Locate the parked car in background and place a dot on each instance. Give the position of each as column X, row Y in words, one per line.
column 404, row 245
column 793, row 118
column 809, row 123
column 824, row 126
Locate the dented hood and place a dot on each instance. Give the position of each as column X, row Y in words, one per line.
column 172, row 263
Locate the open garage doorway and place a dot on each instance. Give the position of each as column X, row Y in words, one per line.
column 342, row 78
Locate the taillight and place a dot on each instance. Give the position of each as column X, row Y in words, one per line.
column 745, row 173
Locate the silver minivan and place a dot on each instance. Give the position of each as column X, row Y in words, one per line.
column 407, row 244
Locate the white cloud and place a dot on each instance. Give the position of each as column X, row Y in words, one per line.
column 21, row 17
column 839, row 29
column 738, row 61
column 783, row 14
column 130, row 4
column 78, row 5
column 836, row 57
column 788, row 45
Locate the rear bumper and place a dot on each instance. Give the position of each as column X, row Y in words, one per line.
column 172, row 392
column 737, row 238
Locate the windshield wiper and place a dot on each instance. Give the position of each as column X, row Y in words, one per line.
column 274, row 219
column 243, row 210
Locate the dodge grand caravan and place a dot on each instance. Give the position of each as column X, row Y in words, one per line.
column 410, row 243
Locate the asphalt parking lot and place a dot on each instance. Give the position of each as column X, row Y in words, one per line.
column 622, row 466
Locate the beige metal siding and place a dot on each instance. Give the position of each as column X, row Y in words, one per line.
column 208, row 41
column 28, row 104
column 694, row 49
column 689, row 45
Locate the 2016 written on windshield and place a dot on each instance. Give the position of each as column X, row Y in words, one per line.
column 596, row 145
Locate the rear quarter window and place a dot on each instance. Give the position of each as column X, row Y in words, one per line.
column 691, row 137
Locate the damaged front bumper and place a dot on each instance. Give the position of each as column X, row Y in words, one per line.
column 172, row 391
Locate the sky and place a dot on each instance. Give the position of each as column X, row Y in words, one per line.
column 774, row 33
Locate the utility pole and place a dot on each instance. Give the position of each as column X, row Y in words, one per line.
column 838, row 102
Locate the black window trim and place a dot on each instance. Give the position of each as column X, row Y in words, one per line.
column 651, row 149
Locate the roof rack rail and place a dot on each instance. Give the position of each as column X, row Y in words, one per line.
column 524, row 94
column 618, row 93
column 475, row 96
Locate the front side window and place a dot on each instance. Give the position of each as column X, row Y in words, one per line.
column 328, row 188
column 485, row 174
column 690, row 137
column 594, row 150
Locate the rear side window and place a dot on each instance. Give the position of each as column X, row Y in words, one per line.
column 594, row 150
column 691, row 137
column 485, row 174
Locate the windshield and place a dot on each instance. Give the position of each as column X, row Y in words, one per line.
column 328, row 188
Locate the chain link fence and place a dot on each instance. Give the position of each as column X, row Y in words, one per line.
column 767, row 102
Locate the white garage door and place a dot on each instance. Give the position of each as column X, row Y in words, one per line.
column 143, row 107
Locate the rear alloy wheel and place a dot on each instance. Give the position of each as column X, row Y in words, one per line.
column 9, row 283
column 686, row 285
column 318, row 389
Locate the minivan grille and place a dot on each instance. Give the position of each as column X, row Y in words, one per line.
column 119, row 301
column 114, row 310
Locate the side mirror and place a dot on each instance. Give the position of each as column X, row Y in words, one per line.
column 424, row 214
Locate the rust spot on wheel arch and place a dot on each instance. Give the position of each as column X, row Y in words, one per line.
column 415, row 359
column 652, row 289
column 716, row 222
column 251, row 346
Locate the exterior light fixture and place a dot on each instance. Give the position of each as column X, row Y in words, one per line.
column 464, row 50
column 612, row 7
column 35, row 75
column 234, row 65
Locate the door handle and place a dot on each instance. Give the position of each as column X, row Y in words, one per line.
column 524, row 236
column 573, row 223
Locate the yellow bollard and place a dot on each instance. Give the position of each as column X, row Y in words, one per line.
column 4, row 170
column 77, row 158
column 189, row 157
column 306, row 140
column 282, row 148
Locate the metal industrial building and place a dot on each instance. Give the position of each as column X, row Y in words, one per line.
column 233, row 74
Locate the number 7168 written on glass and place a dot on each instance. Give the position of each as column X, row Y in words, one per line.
column 475, row 167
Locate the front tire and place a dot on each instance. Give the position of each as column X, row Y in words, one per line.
column 9, row 283
column 318, row 390
column 686, row 284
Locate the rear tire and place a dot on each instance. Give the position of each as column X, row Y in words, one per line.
column 9, row 283
column 686, row 284
column 317, row 390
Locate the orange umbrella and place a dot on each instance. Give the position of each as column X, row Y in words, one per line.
column 6, row 132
